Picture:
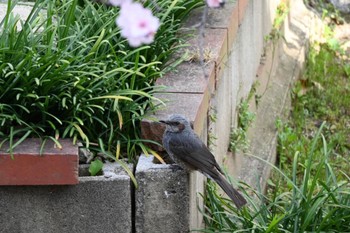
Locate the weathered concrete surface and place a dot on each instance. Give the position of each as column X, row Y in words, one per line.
column 238, row 75
column 248, row 60
column 162, row 198
column 281, row 66
column 21, row 9
column 97, row 204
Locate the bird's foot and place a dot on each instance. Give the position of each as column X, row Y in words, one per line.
column 174, row 167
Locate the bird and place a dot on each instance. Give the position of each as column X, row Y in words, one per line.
column 186, row 149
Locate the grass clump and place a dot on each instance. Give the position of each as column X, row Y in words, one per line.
column 65, row 72
column 317, row 200
column 320, row 96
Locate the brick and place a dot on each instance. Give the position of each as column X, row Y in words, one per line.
column 153, row 130
column 188, row 78
column 27, row 167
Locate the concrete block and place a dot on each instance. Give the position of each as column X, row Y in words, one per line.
column 221, row 105
column 242, row 7
column 192, row 105
column 195, row 108
column 246, row 66
column 233, row 64
column 189, row 78
column 258, row 36
column 96, row 204
column 218, row 18
column 162, row 198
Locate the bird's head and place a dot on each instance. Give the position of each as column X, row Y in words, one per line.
column 177, row 123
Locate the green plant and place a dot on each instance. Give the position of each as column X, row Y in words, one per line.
column 282, row 11
column 67, row 73
column 326, row 10
column 273, row 38
column 318, row 202
column 238, row 137
column 321, row 94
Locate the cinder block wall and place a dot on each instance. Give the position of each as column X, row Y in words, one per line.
column 97, row 204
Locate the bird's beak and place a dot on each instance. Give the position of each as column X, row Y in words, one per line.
column 164, row 122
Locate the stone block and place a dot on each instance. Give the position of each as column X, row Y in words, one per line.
column 162, row 198
column 96, row 204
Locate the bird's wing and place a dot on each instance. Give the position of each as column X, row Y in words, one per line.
column 196, row 154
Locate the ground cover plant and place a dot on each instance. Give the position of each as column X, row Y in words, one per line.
column 320, row 96
column 66, row 72
column 312, row 194
column 315, row 200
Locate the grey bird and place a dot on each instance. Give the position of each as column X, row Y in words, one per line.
column 187, row 150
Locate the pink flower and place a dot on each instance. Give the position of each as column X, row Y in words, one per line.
column 215, row 3
column 137, row 24
column 118, row 2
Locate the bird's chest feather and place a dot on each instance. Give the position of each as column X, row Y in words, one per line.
column 181, row 148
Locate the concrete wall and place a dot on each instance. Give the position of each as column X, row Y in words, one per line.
column 97, row 204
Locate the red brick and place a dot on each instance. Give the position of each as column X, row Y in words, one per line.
column 153, row 130
column 27, row 167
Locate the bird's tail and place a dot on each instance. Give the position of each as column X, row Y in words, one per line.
column 236, row 197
